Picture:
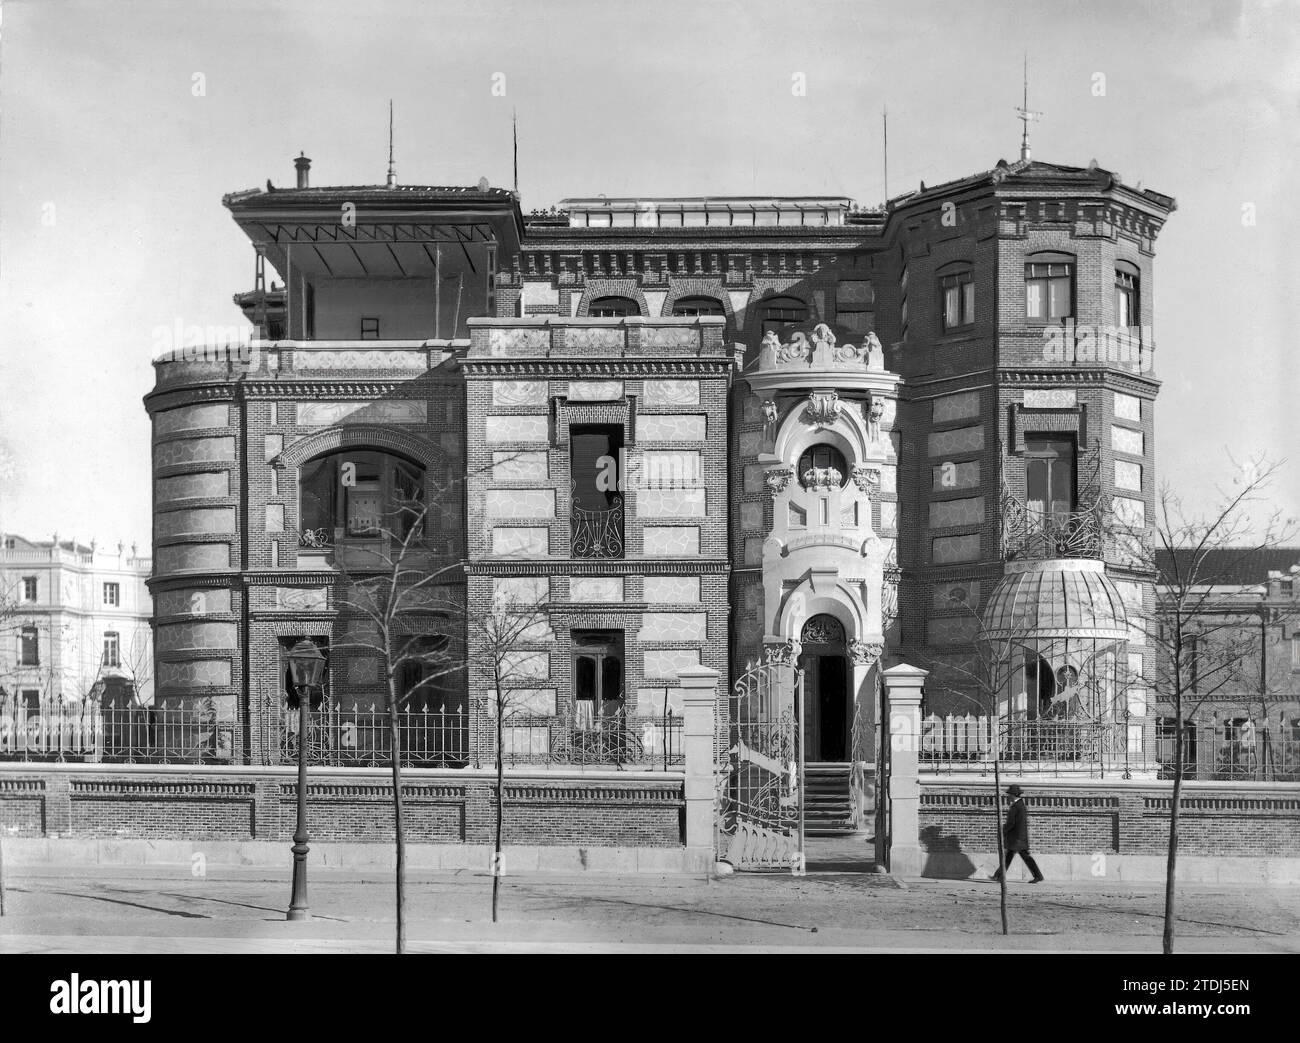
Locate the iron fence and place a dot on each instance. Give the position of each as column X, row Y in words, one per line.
column 342, row 737
column 1100, row 748
column 86, row 731
column 619, row 740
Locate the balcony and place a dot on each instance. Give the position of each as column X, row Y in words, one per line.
column 597, row 533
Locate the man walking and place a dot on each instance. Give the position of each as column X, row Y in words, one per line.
column 1015, row 835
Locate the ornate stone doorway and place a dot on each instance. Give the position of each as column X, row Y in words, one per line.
column 828, row 702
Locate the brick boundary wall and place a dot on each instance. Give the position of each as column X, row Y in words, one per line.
column 1128, row 818
column 595, row 809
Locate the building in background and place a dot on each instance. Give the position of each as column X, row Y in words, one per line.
column 1243, row 722
column 77, row 630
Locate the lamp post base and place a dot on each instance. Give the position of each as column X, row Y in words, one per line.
column 298, row 909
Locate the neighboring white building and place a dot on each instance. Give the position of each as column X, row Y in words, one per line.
column 74, row 621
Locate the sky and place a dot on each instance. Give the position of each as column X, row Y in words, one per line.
column 122, row 125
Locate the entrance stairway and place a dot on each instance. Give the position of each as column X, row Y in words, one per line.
column 827, row 808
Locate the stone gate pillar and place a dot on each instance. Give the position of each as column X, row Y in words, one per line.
column 699, row 724
column 903, row 696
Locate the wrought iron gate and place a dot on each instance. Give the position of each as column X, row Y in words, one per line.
column 760, row 778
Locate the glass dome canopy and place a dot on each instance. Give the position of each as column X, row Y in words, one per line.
column 1061, row 598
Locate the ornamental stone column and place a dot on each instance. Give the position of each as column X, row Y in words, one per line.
column 903, row 696
column 699, row 686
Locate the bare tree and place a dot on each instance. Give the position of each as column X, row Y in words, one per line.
column 400, row 596
column 499, row 653
column 1199, row 652
column 981, row 679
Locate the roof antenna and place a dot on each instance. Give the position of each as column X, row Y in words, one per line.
column 884, row 123
column 392, row 170
column 514, row 130
column 1026, row 114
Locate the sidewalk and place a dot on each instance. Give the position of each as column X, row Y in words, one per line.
column 162, row 909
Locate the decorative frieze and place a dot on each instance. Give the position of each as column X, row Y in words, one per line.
column 518, row 340
column 782, row 653
column 670, row 393
column 866, row 653
column 302, row 599
column 594, row 338
column 408, row 360
column 867, row 479
column 595, row 390
column 778, row 478
column 392, row 411
column 823, row 408
column 519, row 392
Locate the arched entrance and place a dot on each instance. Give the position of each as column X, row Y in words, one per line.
column 827, row 699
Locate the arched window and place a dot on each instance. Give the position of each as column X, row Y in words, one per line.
column 359, row 493
column 779, row 312
column 698, row 306
column 612, row 308
column 820, row 459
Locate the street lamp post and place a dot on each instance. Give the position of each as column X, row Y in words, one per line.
column 306, row 665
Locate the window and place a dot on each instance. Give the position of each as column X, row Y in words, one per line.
column 1126, row 295
column 613, row 308
column 698, row 306
column 855, row 301
column 1166, row 733
column 595, row 455
column 821, row 457
column 29, row 588
column 1192, row 642
column 369, row 328
column 1049, row 477
column 1295, row 652
column 1049, row 290
column 597, row 677
column 112, row 649
column 359, row 494
column 112, row 594
column 958, row 290
column 780, row 312
column 29, row 650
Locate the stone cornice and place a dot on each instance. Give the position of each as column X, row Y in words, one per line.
column 614, row 369
column 597, row 567
column 1058, row 377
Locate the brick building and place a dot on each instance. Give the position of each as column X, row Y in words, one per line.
column 719, row 431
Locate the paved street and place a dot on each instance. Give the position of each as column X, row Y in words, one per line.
column 165, row 909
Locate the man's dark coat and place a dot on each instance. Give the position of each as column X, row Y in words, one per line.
column 1015, row 834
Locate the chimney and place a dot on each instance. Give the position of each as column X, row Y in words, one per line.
column 302, row 164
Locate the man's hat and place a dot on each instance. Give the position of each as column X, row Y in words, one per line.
column 1013, row 790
